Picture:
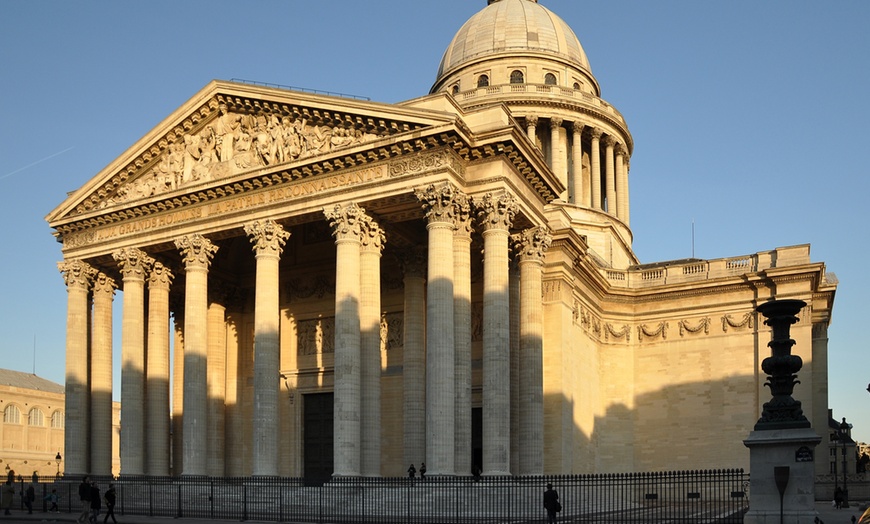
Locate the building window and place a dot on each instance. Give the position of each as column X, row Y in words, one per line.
column 576, row 85
column 550, row 79
column 12, row 415
column 482, row 81
column 35, row 417
column 57, row 419
column 456, row 89
column 517, row 77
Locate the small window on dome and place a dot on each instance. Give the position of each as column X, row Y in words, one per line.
column 482, row 81
column 550, row 79
column 456, row 89
column 577, row 85
column 517, row 77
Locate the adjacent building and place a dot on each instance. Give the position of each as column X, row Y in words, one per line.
column 325, row 286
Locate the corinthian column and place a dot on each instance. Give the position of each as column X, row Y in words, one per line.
column 595, row 157
column 216, row 379
column 157, row 372
column 576, row 183
column 496, row 213
column 78, row 277
column 462, row 335
column 414, row 357
column 440, row 204
column 268, row 238
column 373, row 239
column 346, row 228
column 197, row 253
column 533, row 243
column 622, row 183
column 531, row 128
column 101, row 377
column 558, row 156
column 134, row 265
column 610, row 175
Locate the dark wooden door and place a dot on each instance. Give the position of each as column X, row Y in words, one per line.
column 318, row 437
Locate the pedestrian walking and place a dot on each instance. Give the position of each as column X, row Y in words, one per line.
column 29, row 495
column 6, row 496
column 51, row 498
column 85, row 498
column 422, row 471
column 110, row 504
column 551, row 503
column 95, row 503
column 411, row 472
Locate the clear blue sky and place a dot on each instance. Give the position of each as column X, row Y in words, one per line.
column 749, row 118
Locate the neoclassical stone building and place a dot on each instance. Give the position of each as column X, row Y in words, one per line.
column 315, row 285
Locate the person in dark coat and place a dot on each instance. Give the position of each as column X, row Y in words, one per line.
column 96, row 505
column 412, row 471
column 29, row 496
column 551, row 503
column 110, row 504
column 8, row 491
column 85, row 498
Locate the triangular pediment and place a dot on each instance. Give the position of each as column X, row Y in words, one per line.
column 229, row 129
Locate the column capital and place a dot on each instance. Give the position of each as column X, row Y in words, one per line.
column 577, row 127
column 267, row 236
column 439, row 200
column 621, row 150
column 596, row 133
column 372, row 235
column 532, row 243
column 531, row 120
column 555, row 122
column 133, row 262
column 196, row 250
column 77, row 273
column 610, row 141
column 413, row 262
column 103, row 283
column 463, row 218
column 160, row 276
column 346, row 222
column 496, row 211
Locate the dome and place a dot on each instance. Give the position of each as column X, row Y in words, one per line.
column 513, row 26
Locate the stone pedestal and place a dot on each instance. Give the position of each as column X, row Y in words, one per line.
column 768, row 450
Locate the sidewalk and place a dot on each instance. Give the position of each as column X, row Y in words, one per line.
column 830, row 515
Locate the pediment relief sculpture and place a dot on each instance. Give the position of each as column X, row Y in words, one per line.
column 234, row 143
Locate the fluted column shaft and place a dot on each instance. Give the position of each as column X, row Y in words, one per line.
column 78, row 277
column 440, row 201
column 622, row 183
column 268, row 238
column 134, row 265
column 101, row 377
column 177, row 421
column 216, row 381
column 576, row 183
column 497, row 213
column 558, row 154
column 514, row 297
column 157, row 372
column 413, row 361
column 610, row 175
column 373, row 239
column 345, row 223
column 197, row 252
column 462, row 336
column 533, row 243
column 595, row 155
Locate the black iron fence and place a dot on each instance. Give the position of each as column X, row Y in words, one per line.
column 711, row 496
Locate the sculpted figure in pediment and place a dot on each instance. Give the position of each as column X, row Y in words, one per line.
column 233, row 143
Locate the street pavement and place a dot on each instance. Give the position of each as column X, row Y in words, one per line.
column 826, row 513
